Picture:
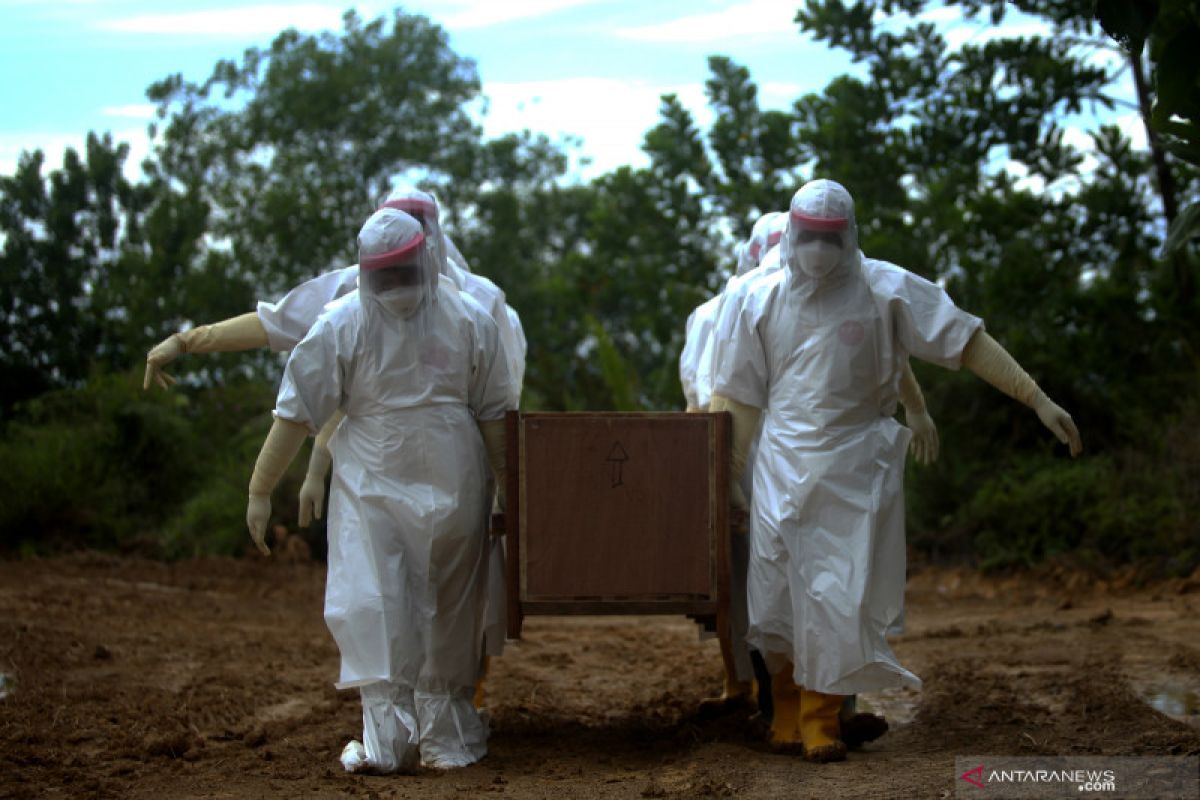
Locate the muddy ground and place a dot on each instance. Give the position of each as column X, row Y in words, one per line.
column 213, row 679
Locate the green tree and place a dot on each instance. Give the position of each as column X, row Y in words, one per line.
column 289, row 150
column 1059, row 261
column 1170, row 106
column 63, row 236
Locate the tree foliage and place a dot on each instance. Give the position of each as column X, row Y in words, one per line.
column 960, row 159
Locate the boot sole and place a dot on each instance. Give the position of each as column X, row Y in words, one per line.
column 862, row 728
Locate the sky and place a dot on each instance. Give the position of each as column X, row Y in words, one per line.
column 594, row 69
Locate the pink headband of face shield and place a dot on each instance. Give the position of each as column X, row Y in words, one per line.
column 820, row 223
column 411, row 204
column 772, row 239
column 392, row 257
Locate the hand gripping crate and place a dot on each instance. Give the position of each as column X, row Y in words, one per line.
column 618, row 513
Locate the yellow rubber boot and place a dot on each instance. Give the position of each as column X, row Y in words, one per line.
column 736, row 694
column 820, row 729
column 479, row 682
column 785, row 724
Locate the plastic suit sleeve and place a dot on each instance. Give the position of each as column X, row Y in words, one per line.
column 985, row 357
column 312, row 491
column 687, row 363
column 231, row 335
column 745, row 425
column 496, row 444
column 925, row 436
column 281, row 446
column 739, row 359
column 288, row 320
column 313, row 380
column 491, row 391
column 926, row 320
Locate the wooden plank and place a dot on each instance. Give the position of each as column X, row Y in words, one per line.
column 619, row 505
column 512, row 541
column 722, row 435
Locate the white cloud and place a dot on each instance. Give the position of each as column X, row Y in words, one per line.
column 240, row 21
column 611, row 116
column 780, row 95
column 467, row 14
column 751, row 18
column 143, row 111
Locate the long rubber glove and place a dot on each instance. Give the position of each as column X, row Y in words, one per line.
column 925, row 436
column 238, row 333
column 312, row 491
column 745, row 424
column 281, row 446
column 496, row 443
column 985, row 357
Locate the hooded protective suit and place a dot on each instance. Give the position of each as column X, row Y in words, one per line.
column 289, row 319
column 413, row 365
column 424, row 206
column 695, row 360
column 820, row 346
column 695, row 375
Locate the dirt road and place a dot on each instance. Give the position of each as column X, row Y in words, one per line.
column 212, row 679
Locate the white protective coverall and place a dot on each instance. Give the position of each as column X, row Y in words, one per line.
column 289, row 319
column 425, row 207
column 410, row 498
column 695, row 360
column 695, row 375
column 822, row 354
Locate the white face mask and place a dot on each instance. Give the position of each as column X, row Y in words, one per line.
column 402, row 301
column 818, row 259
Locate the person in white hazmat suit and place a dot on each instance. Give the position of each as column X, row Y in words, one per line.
column 815, row 350
column 281, row 325
column 413, row 366
column 761, row 254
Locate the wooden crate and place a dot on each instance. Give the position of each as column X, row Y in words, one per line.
column 617, row 513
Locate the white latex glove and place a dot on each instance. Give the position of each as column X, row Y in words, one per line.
column 312, row 491
column 280, row 447
column 258, row 514
column 496, row 444
column 159, row 356
column 924, row 443
column 985, row 357
column 1060, row 423
column 245, row 332
column 745, row 425
column 737, row 498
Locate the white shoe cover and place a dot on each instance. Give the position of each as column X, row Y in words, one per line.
column 354, row 756
column 452, row 733
column 389, row 728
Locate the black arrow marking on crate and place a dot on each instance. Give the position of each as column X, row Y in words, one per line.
column 617, row 457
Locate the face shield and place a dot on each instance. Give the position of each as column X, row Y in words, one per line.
column 423, row 207
column 396, row 269
column 765, row 235
column 821, row 234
